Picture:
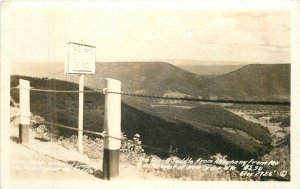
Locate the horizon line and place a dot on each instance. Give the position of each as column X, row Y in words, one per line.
column 175, row 62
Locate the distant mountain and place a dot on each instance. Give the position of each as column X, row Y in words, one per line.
column 148, row 77
column 196, row 132
column 137, row 77
column 213, row 70
column 253, row 81
column 49, row 70
column 191, row 62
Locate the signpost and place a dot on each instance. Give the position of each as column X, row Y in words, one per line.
column 80, row 60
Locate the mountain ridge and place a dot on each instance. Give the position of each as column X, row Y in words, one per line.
column 158, row 78
column 255, row 81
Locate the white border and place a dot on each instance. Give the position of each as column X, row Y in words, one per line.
column 164, row 4
column 4, row 95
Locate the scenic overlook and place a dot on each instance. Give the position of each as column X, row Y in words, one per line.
column 105, row 92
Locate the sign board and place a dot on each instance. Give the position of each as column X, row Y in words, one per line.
column 80, row 59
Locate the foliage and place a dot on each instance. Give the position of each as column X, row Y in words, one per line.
column 132, row 150
column 281, row 154
column 257, row 116
column 283, row 120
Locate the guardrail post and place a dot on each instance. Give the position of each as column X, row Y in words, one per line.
column 24, row 99
column 112, row 128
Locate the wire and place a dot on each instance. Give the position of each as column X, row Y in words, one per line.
column 72, row 128
column 103, row 135
column 204, row 100
column 67, row 127
column 104, row 91
column 62, row 91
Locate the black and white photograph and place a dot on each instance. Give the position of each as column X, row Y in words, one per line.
column 187, row 92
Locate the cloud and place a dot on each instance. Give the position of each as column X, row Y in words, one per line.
column 246, row 28
column 222, row 31
column 39, row 35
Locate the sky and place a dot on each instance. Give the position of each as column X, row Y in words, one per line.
column 240, row 32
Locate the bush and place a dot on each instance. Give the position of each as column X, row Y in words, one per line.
column 283, row 120
column 132, row 149
column 93, row 147
column 281, row 154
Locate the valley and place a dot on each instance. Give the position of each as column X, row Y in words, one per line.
column 279, row 132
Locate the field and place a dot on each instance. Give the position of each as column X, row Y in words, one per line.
column 275, row 119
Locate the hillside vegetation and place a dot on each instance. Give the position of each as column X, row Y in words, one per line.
column 255, row 81
column 156, row 130
column 211, row 116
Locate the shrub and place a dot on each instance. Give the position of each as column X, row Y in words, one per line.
column 283, row 120
column 132, row 149
column 93, row 148
column 281, row 154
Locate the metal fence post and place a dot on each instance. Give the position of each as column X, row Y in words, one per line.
column 112, row 128
column 24, row 99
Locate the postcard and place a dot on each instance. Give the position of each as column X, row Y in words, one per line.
column 150, row 93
